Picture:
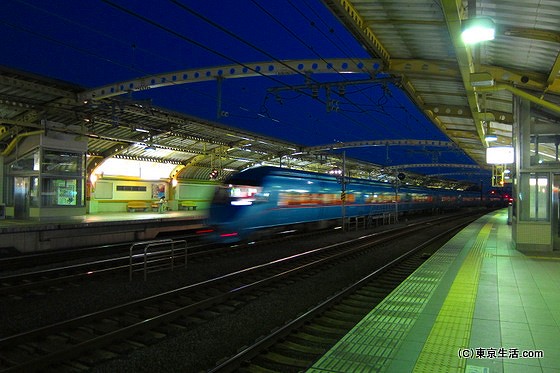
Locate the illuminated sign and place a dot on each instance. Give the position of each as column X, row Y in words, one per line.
column 499, row 155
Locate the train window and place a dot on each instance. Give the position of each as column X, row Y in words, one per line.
column 246, row 195
column 262, row 197
column 243, row 191
column 534, row 197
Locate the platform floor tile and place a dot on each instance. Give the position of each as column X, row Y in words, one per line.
column 516, row 303
column 478, row 295
column 407, row 314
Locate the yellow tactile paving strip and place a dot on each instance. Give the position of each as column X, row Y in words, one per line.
column 372, row 344
column 452, row 328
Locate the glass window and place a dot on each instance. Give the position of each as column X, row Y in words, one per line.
column 34, row 191
column 9, row 191
column 56, row 181
column 29, row 162
column 58, row 187
column 61, row 192
column 58, row 162
column 534, row 196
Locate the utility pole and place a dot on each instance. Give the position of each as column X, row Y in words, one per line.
column 341, row 178
column 343, row 191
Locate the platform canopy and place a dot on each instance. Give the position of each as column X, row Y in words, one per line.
column 228, row 85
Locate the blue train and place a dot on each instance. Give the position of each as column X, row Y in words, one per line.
column 266, row 200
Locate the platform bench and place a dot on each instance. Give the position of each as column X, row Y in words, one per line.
column 187, row 205
column 136, row 205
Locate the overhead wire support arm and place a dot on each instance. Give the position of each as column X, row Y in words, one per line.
column 396, row 142
column 448, row 165
column 245, row 70
column 339, row 84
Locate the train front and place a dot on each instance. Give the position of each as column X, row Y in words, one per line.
column 232, row 210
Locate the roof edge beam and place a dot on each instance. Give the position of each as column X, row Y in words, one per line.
column 352, row 19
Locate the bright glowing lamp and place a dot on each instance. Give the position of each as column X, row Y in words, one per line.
column 490, row 137
column 478, row 29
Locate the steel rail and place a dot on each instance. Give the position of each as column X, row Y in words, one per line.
column 29, row 281
column 340, row 250
column 268, row 341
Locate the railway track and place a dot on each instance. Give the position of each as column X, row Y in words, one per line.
column 295, row 346
column 43, row 281
column 29, row 261
column 118, row 330
column 57, row 279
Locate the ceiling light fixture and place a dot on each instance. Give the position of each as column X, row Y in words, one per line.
column 486, row 127
column 478, row 29
column 491, row 137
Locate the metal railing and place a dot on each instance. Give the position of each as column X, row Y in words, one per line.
column 156, row 255
column 371, row 220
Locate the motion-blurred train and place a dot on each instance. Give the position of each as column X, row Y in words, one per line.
column 267, row 200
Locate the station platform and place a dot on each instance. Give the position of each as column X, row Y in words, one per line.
column 477, row 305
column 32, row 236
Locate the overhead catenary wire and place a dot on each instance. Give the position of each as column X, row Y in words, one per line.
column 269, row 55
column 295, row 36
column 135, row 67
column 132, row 67
column 333, row 34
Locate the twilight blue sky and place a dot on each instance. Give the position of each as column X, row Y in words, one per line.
column 98, row 42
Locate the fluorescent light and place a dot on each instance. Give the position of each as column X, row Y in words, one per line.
column 490, row 135
column 141, row 130
column 478, row 29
